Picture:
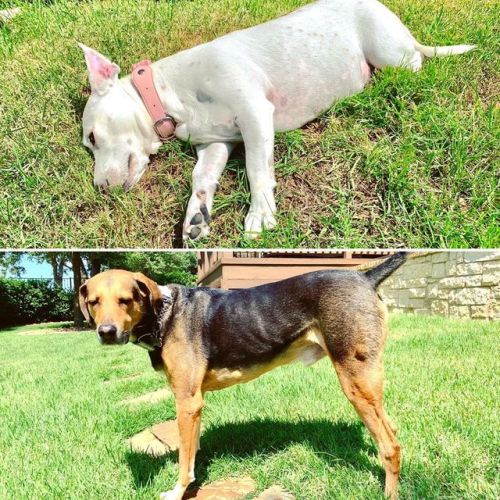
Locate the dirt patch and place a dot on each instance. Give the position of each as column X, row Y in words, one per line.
column 150, row 397
column 227, row 489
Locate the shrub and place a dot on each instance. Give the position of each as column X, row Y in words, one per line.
column 33, row 301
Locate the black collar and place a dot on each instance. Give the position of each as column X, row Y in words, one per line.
column 149, row 335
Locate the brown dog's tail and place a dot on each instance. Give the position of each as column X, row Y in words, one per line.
column 380, row 273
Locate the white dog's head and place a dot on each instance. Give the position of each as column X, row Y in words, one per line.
column 116, row 126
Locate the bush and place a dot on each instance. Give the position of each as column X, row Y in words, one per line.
column 33, row 301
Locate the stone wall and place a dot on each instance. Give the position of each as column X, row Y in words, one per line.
column 462, row 284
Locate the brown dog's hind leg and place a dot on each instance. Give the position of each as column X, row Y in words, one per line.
column 362, row 382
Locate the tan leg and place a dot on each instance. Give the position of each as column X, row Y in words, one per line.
column 189, row 420
column 362, row 382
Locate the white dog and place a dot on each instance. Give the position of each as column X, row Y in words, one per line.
column 243, row 86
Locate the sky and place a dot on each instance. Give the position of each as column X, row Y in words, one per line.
column 35, row 269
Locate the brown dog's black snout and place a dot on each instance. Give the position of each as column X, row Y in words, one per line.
column 107, row 333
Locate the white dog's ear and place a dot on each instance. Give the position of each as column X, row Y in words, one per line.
column 103, row 73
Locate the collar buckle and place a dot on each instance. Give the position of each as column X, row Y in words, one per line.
column 159, row 124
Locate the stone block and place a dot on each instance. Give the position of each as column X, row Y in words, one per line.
column 480, row 312
column 440, row 307
column 461, row 281
column 404, row 298
column 472, row 256
column 443, row 293
column 417, row 292
column 403, row 283
column 466, row 269
column 469, row 296
column 459, row 311
column 422, row 312
column 492, row 265
column 491, row 278
column 439, row 270
column 422, row 270
column 438, row 257
column 390, row 300
column 416, row 303
column 451, row 268
column 432, row 291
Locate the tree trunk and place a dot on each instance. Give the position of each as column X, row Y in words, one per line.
column 95, row 264
column 57, row 263
column 76, row 262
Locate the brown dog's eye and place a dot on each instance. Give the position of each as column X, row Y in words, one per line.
column 125, row 301
column 93, row 302
column 92, row 138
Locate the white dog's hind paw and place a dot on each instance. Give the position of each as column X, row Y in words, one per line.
column 253, row 225
column 254, row 222
column 268, row 221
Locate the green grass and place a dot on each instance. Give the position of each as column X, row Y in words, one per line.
column 63, row 429
column 409, row 162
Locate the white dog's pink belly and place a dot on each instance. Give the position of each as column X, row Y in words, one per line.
column 311, row 58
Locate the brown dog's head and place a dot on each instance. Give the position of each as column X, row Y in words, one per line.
column 116, row 301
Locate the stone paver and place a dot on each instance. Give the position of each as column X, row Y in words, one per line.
column 228, row 489
column 167, row 433
column 122, row 379
column 146, row 442
column 8, row 14
column 275, row 492
column 150, row 397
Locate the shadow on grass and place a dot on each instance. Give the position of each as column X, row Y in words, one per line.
column 335, row 443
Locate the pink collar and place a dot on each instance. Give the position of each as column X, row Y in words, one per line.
column 142, row 79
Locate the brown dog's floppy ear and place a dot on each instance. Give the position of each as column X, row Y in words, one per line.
column 149, row 290
column 82, row 297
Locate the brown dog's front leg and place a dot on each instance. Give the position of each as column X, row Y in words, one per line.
column 189, row 420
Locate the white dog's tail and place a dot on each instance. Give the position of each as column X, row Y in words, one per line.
column 443, row 51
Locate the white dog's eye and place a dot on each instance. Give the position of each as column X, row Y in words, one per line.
column 92, row 138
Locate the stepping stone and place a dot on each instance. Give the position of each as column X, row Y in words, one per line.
column 150, row 397
column 8, row 14
column 228, row 489
column 146, row 442
column 122, row 379
column 41, row 331
column 157, row 440
column 167, row 433
column 275, row 493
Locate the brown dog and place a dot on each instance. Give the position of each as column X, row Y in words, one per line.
column 207, row 339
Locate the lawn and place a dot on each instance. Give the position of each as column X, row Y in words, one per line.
column 409, row 162
column 63, row 427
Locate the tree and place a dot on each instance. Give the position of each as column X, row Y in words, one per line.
column 10, row 264
column 162, row 267
column 59, row 261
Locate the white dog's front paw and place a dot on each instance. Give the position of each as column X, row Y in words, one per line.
column 196, row 224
